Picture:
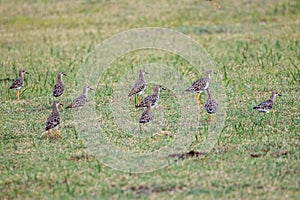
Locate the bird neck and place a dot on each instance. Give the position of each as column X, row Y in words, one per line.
column 85, row 92
column 55, row 109
column 157, row 90
column 142, row 77
column 208, row 76
column 59, row 78
column 149, row 105
column 272, row 98
column 209, row 94
column 21, row 75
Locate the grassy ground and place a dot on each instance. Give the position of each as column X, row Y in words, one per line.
column 255, row 45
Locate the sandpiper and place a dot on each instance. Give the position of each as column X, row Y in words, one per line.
column 211, row 105
column 81, row 100
column 59, row 88
column 19, row 83
column 266, row 106
column 140, row 85
column 54, row 120
column 200, row 85
column 212, row 5
column 153, row 98
column 147, row 115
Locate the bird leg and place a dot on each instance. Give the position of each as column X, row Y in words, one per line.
column 48, row 133
column 198, row 99
column 62, row 100
column 212, row 6
column 218, row 5
column 211, row 120
column 18, row 95
column 57, row 132
column 141, row 128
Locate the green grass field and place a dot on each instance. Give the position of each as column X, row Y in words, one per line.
column 255, row 46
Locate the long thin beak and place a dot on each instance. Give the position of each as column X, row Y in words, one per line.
column 64, row 74
column 91, row 89
column 26, row 72
column 279, row 95
column 163, row 88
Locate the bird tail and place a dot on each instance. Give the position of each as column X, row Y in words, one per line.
column 255, row 107
column 131, row 93
column 69, row 106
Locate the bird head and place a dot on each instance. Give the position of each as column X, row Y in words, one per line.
column 275, row 94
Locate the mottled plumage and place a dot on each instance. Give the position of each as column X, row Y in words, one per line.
column 59, row 88
column 54, row 119
column 19, row 82
column 266, row 106
column 81, row 100
column 211, row 105
column 200, row 85
column 140, row 85
column 147, row 115
column 153, row 98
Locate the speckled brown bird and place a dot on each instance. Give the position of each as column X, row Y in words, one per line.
column 211, row 105
column 266, row 106
column 153, row 98
column 200, row 85
column 81, row 100
column 147, row 116
column 139, row 87
column 59, row 88
column 19, row 83
column 54, row 120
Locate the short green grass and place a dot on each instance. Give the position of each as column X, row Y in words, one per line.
column 255, row 45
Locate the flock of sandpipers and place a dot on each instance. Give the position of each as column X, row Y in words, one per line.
column 54, row 119
column 149, row 102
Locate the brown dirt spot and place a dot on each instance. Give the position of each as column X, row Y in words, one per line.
column 187, row 155
column 256, row 155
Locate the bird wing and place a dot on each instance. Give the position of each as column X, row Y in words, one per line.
column 78, row 102
column 145, row 100
column 146, row 116
column 138, row 87
column 58, row 89
column 198, row 85
column 267, row 105
column 202, row 83
column 211, row 106
column 17, row 83
column 52, row 121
